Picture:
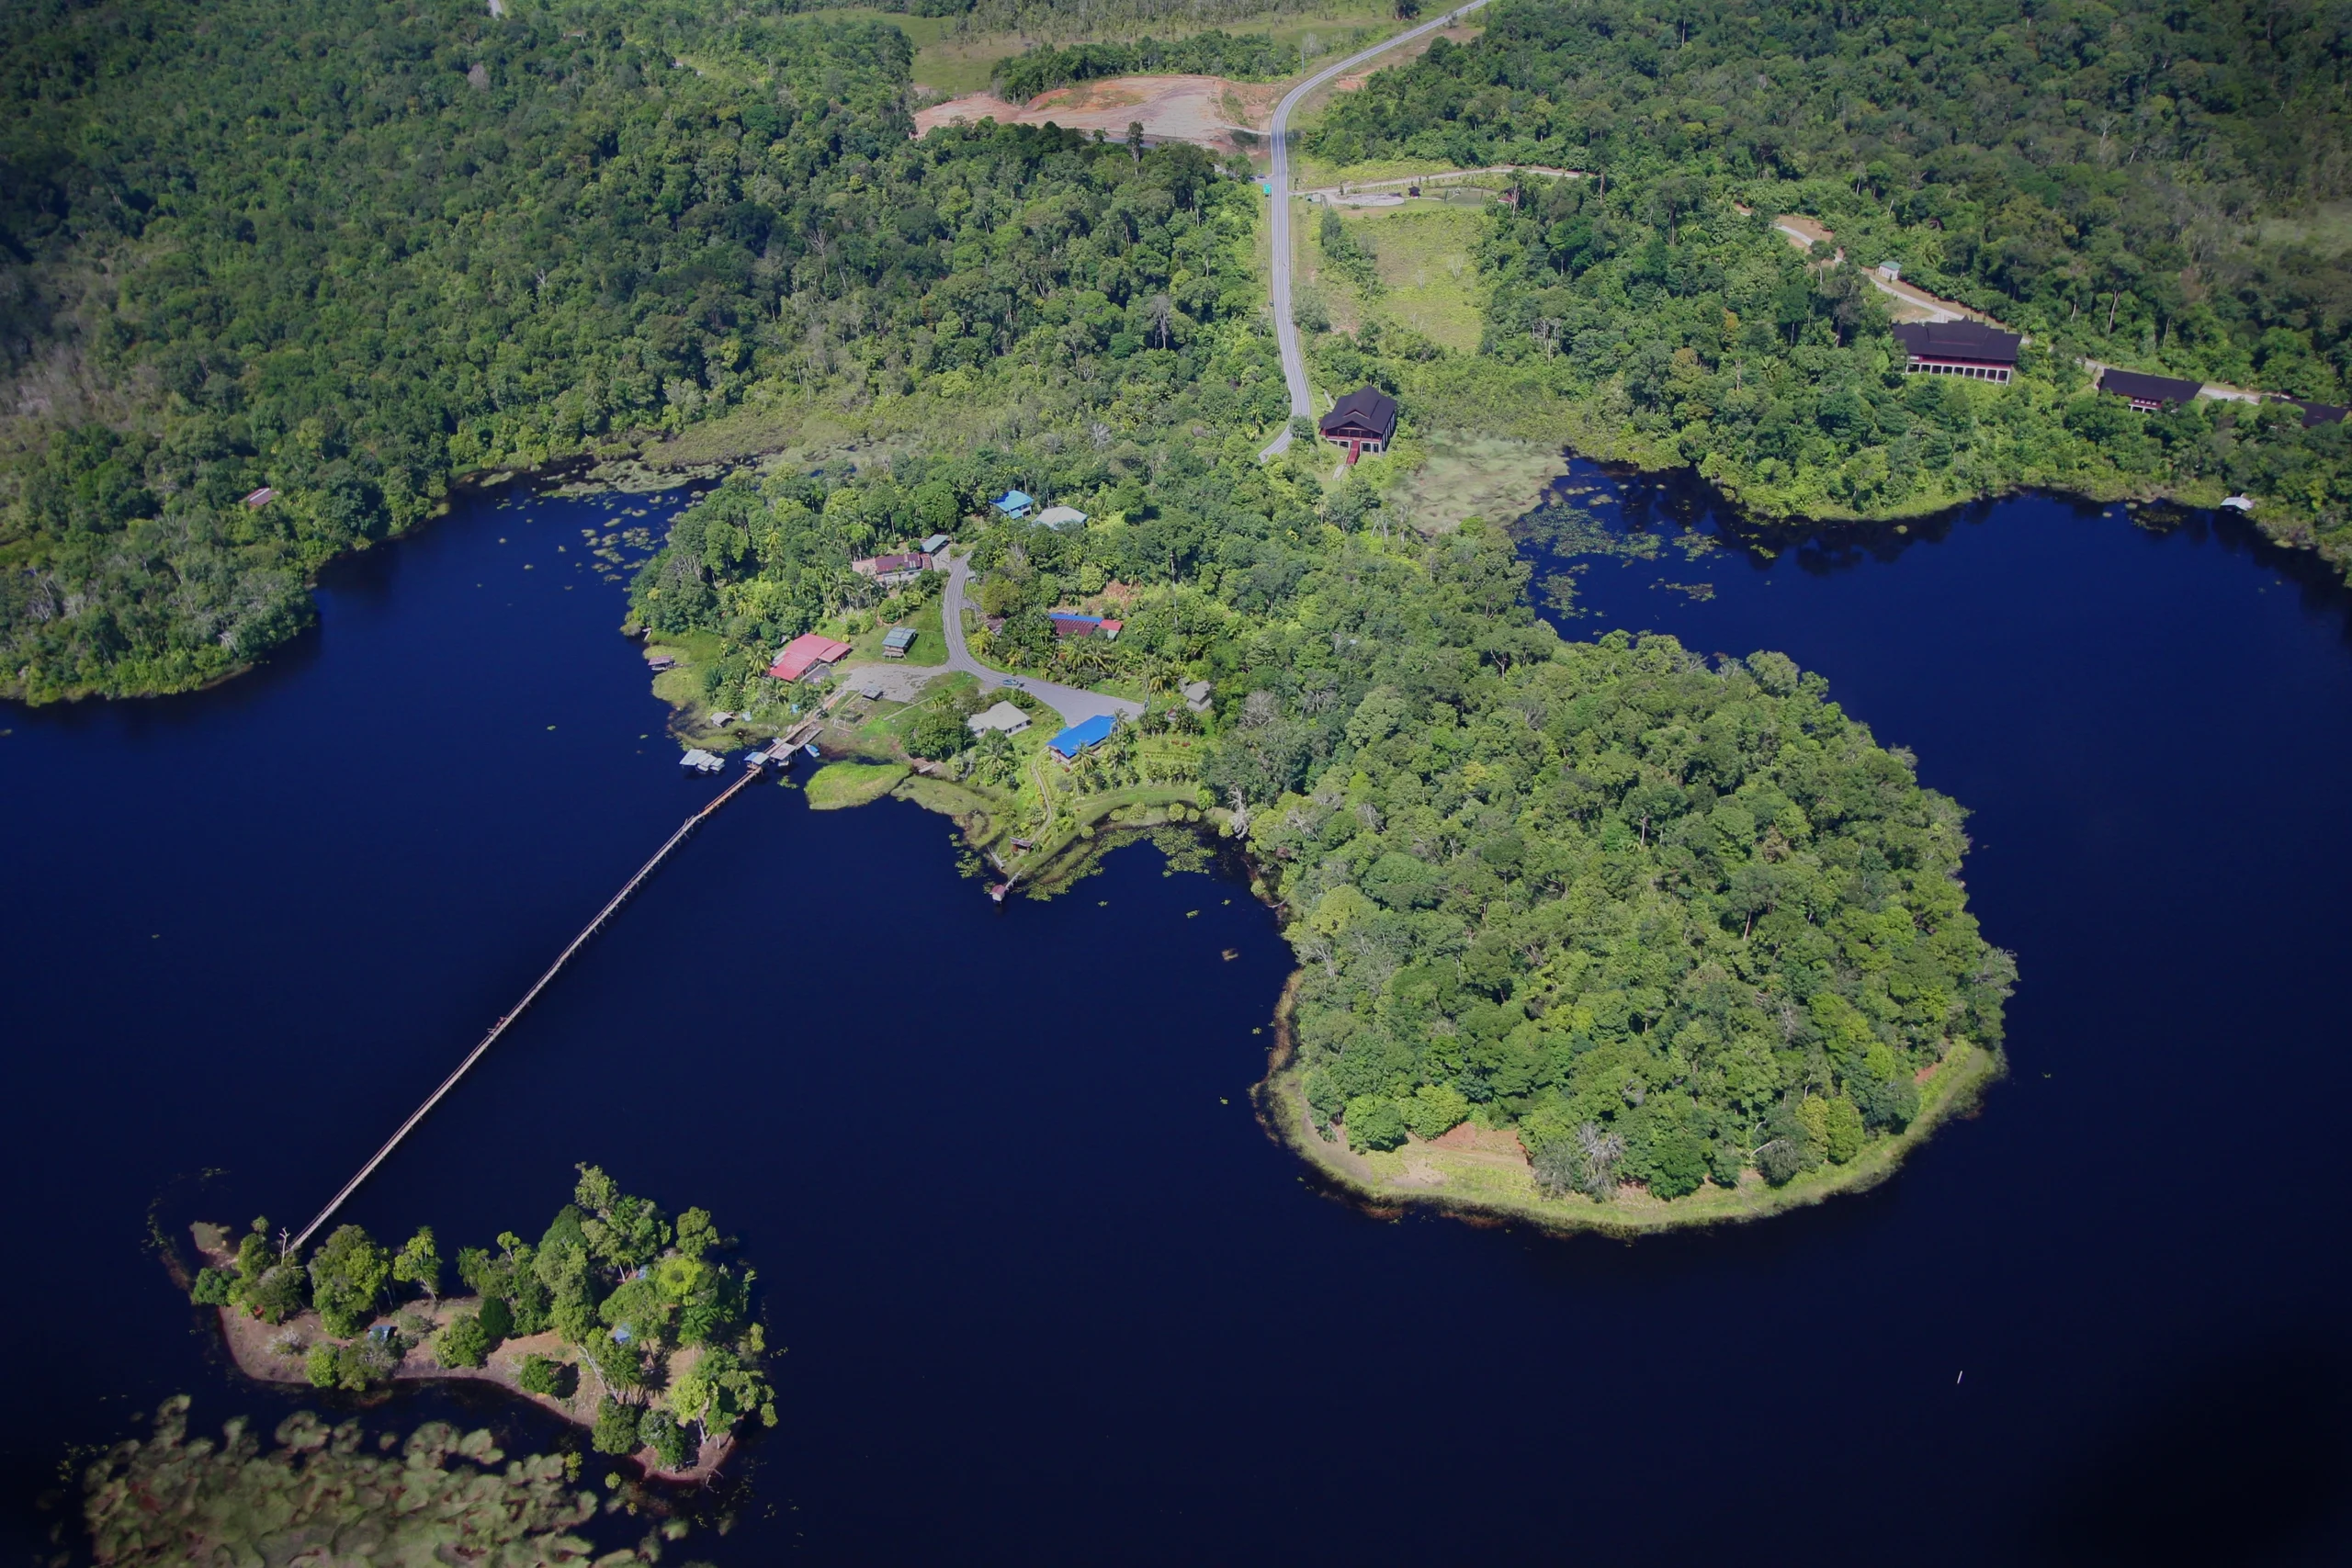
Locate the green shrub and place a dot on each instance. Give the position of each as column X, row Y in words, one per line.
column 658, row 1430
column 545, row 1375
column 278, row 1294
column 348, row 1279
column 362, row 1364
column 1434, row 1110
column 616, row 1429
column 211, row 1288
column 1374, row 1121
column 464, row 1343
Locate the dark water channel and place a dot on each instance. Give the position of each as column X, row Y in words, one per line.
column 1049, row 1293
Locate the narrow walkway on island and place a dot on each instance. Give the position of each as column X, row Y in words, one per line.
column 1073, row 703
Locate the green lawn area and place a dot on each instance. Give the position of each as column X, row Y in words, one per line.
column 1309, row 172
column 836, row 786
column 1426, row 252
column 931, row 643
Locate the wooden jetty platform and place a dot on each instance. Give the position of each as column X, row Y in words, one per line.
column 780, row 750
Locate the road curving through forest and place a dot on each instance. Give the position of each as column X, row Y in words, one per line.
column 1285, row 330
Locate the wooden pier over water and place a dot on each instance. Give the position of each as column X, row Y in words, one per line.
column 780, row 749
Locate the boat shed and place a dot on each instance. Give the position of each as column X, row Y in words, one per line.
column 1084, row 733
column 1003, row 716
column 1957, row 349
column 2148, row 393
column 701, row 761
column 1014, row 504
column 808, row 652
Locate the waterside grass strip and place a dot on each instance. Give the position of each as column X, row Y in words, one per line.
column 1473, row 1187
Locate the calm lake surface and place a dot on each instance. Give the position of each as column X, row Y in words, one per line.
column 1050, row 1293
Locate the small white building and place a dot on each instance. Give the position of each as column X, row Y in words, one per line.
column 701, row 761
column 1003, row 716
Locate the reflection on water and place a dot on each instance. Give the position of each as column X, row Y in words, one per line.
column 1048, row 1291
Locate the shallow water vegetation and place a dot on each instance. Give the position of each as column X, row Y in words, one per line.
column 316, row 1493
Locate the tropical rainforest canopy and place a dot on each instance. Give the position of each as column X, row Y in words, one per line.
column 335, row 255
column 2136, row 185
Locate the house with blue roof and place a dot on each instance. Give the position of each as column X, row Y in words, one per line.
column 1083, row 734
column 1014, row 504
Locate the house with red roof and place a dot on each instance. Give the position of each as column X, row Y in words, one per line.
column 810, row 651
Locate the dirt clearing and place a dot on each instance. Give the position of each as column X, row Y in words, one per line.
column 1205, row 110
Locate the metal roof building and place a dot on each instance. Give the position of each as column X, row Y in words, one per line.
column 1084, row 733
column 2145, row 392
column 809, row 651
column 1003, row 716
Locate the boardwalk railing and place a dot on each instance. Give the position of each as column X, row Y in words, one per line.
column 684, row 831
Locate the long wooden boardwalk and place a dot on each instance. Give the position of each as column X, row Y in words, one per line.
column 685, row 831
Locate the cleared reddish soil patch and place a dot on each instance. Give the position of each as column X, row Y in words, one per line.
column 1205, row 110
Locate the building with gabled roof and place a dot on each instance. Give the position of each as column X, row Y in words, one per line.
column 1957, row 349
column 1003, row 716
column 1086, row 732
column 2145, row 392
column 1363, row 421
column 808, row 651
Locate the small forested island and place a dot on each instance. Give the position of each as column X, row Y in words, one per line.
column 615, row 1318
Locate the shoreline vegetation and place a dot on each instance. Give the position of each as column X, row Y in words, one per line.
column 1478, row 1173
column 237, row 351
column 617, row 1320
column 1673, row 929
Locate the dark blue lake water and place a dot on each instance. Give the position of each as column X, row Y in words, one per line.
column 1050, row 1293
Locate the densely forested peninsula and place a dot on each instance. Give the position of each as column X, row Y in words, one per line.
column 1680, row 929
column 617, row 1318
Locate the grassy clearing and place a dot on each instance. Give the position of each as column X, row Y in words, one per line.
column 2327, row 229
column 1481, row 1184
column 1310, row 172
column 837, row 786
column 1427, row 260
column 931, row 642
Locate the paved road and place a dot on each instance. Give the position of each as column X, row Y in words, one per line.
column 1073, row 702
column 1285, row 330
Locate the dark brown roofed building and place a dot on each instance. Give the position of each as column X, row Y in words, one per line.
column 1364, row 421
column 2145, row 392
column 1959, row 348
column 2316, row 414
